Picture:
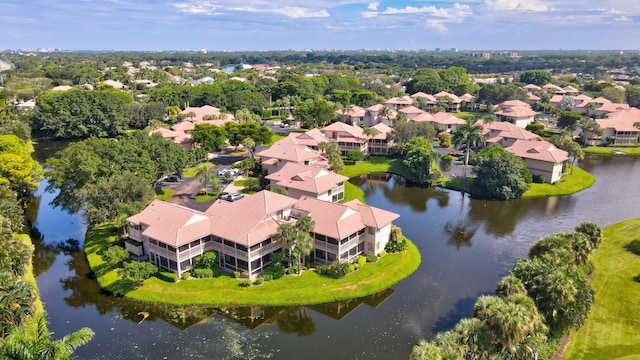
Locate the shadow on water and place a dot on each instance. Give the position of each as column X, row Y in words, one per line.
column 462, row 309
column 398, row 190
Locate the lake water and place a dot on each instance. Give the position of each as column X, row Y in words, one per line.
column 466, row 246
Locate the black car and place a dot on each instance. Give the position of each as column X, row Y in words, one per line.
column 173, row 178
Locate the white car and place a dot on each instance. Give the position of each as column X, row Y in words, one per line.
column 233, row 172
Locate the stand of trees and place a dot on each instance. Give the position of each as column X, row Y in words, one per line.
column 539, row 301
column 500, row 175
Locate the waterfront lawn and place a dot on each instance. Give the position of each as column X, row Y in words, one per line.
column 376, row 164
column 457, row 184
column 570, row 183
column 308, row 288
column 352, row 192
column 608, row 151
column 611, row 330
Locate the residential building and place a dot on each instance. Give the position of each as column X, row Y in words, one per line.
column 619, row 129
column 518, row 112
column 301, row 180
column 282, row 152
column 450, row 101
column 398, row 103
column 541, row 157
column 505, row 133
column 310, row 138
column 353, row 115
column 243, row 232
column 348, row 137
column 445, row 121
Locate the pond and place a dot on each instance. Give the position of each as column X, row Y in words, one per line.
column 466, row 245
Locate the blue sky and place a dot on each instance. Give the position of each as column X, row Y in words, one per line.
column 319, row 24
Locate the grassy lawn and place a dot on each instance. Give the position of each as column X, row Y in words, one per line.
column 191, row 171
column 569, row 184
column 376, row 164
column 611, row 331
column 29, row 277
column 457, row 184
column 353, row 192
column 164, row 194
column 309, row 288
column 205, row 198
column 275, row 137
column 608, row 151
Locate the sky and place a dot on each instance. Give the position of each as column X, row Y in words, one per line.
column 153, row 25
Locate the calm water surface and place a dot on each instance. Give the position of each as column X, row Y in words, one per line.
column 466, row 246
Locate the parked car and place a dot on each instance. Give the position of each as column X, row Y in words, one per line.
column 233, row 172
column 235, row 196
column 223, row 195
column 172, row 178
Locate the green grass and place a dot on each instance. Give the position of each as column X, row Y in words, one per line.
column 611, row 330
column 275, row 137
column 457, row 184
column 309, row 288
column 191, row 171
column 352, row 192
column 205, row 198
column 376, row 164
column 570, row 183
column 608, row 151
column 164, row 194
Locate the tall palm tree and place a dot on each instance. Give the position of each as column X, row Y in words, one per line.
column 471, row 136
column 286, row 235
column 33, row 342
column 304, row 241
column 370, row 133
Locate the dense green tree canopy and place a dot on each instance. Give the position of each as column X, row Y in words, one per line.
column 419, row 157
column 86, row 162
column 80, row 114
column 209, row 137
column 535, row 77
column 494, row 94
column 17, row 168
column 315, row 113
column 500, row 175
column 236, row 133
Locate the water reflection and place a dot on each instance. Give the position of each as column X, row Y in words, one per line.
column 500, row 217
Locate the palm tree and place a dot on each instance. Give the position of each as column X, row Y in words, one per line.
column 17, row 298
column 471, row 136
column 370, row 133
column 286, row 235
column 205, row 175
column 304, row 241
column 425, row 351
column 33, row 342
column 385, row 112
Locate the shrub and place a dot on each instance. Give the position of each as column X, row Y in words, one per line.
column 371, row 258
column 167, row 276
column 634, row 246
column 338, row 269
column 593, row 232
column 291, row 270
column 445, row 141
column 208, row 260
column 361, row 260
column 539, row 179
column 245, row 283
column 203, row 273
column 382, row 253
column 536, row 128
column 355, row 155
column 236, row 274
column 636, row 278
column 258, row 281
column 185, row 276
column 266, row 113
column 352, row 267
column 322, row 269
column 278, row 273
column 115, row 256
column 267, row 277
column 445, row 162
column 276, row 258
column 394, row 246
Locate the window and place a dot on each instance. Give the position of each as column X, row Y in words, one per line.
column 361, row 247
column 320, row 254
column 266, row 242
column 153, row 242
column 243, row 265
column 152, row 258
column 370, row 246
column 332, row 241
column 331, row 257
column 255, row 247
column 229, row 243
column 171, row 248
column 255, row 264
column 185, row 264
column 183, row 248
column 241, row 247
column 163, row 245
column 163, row 261
column 194, row 243
column 173, row 265
column 217, row 239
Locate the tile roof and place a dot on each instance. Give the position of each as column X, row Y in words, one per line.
column 422, row 117
column 290, row 152
column 497, row 130
column 447, row 119
column 446, row 94
column 538, row 150
column 306, row 178
column 249, row 220
column 410, row 110
column 430, row 98
column 404, row 100
column 531, row 86
column 335, row 220
column 383, row 131
column 622, row 120
column 201, row 111
column 309, row 138
column 342, row 129
column 171, row 223
column 612, row 107
column 372, row 216
column 356, row 111
column 517, row 112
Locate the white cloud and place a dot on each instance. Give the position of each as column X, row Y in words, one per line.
column 518, row 5
column 373, row 6
column 369, row 14
column 214, row 8
column 438, row 25
column 456, row 10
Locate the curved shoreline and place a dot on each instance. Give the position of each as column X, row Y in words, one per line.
column 306, row 289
